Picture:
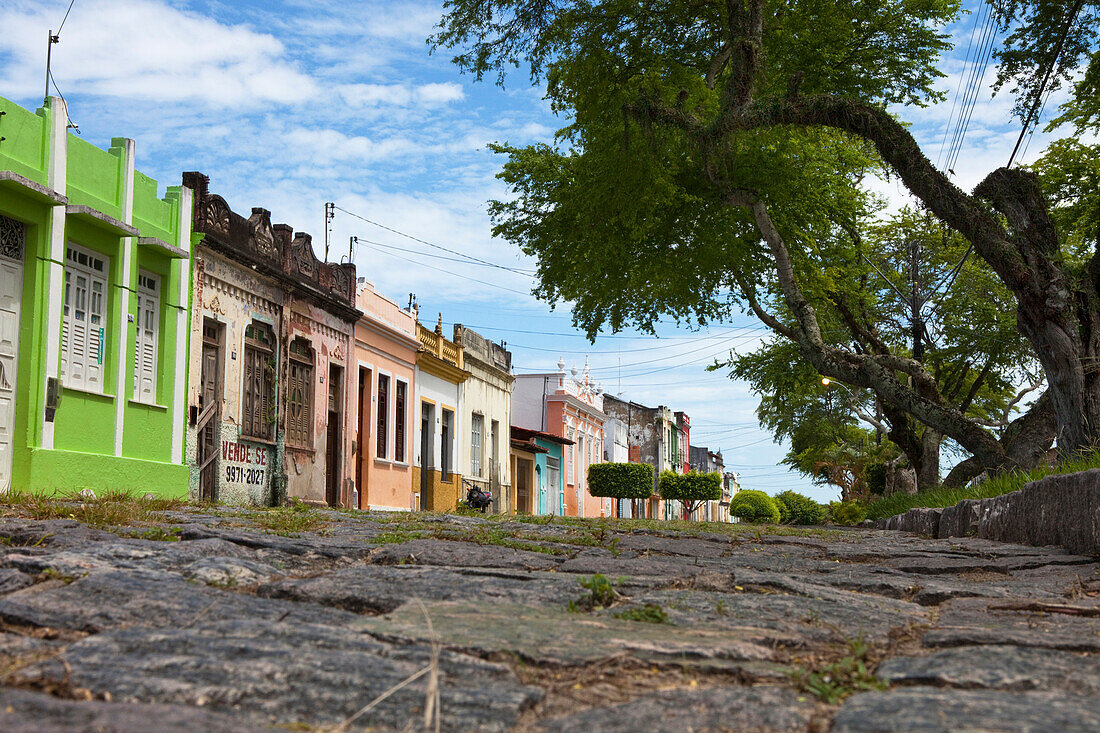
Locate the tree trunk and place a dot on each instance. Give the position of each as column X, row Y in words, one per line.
column 928, row 476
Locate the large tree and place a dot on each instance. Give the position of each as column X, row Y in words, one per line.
column 714, row 145
column 909, row 287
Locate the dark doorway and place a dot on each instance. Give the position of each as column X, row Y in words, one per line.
column 362, row 469
column 427, row 441
column 210, row 401
column 523, row 486
column 335, row 434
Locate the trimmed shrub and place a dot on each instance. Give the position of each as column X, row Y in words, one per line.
column 800, row 509
column 691, row 488
column 784, row 512
column 754, row 506
column 621, row 480
column 846, row 512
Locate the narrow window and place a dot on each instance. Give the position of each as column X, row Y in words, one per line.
column 147, row 338
column 299, row 395
column 475, row 445
column 399, row 420
column 83, row 325
column 257, row 406
column 446, row 438
column 570, row 468
column 383, row 408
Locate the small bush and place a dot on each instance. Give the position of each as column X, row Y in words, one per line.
column 784, row 511
column 800, row 509
column 691, row 488
column 846, row 512
column 754, row 506
column 621, row 480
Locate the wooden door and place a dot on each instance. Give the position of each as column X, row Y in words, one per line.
column 209, row 409
column 12, row 240
column 362, row 443
column 335, row 435
column 427, row 440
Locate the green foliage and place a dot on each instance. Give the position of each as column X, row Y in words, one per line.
column 846, row 512
column 754, row 506
column 996, row 485
column 1069, row 176
column 601, row 594
column 650, row 613
column 621, row 480
column 851, row 674
column 1035, row 27
column 800, row 509
column 784, row 511
column 690, row 488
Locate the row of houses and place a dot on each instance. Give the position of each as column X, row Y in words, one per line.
column 173, row 345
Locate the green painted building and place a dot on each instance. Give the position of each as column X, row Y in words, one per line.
column 94, row 302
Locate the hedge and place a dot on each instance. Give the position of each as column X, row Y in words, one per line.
column 690, row 488
column 621, row 480
column 800, row 509
column 754, row 506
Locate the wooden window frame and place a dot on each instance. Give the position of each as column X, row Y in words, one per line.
column 400, row 419
column 299, row 395
column 382, row 416
column 258, row 386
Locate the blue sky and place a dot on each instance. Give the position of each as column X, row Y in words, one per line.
column 286, row 105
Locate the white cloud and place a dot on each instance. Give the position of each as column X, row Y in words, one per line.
column 400, row 95
column 146, row 49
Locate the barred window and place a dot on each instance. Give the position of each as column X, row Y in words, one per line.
column 475, row 445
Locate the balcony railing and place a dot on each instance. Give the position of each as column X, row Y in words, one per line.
column 435, row 344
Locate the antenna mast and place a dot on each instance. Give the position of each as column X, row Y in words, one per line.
column 51, row 39
column 330, row 214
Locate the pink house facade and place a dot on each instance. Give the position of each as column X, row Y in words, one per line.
column 385, row 353
column 570, row 406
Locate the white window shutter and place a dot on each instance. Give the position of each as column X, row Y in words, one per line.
column 147, row 338
column 84, row 322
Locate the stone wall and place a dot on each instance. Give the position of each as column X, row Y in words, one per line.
column 1061, row 510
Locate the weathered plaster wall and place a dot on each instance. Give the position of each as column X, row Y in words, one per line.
column 330, row 338
column 488, row 393
column 232, row 295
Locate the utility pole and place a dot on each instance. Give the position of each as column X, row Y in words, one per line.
column 915, row 301
column 330, row 214
column 51, row 39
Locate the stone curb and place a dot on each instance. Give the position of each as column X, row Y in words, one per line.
column 1061, row 510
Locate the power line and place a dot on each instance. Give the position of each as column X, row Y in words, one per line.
column 518, row 271
column 448, row 272
column 1070, row 17
column 974, row 85
column 581, row 335
column 958, row 89
column 71, row 3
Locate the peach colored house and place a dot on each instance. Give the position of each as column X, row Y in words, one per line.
column 385, row 352
column 569, row 406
